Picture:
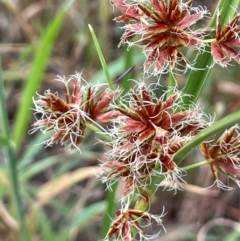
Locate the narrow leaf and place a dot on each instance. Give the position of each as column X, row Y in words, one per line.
column 101, row 57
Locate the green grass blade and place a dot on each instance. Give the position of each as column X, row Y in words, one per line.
column 129, row 62
column 4, row 124
column 171, row 83
column 126, row 85
column 4, row 141
column 110, row 210
column 11, row 162
column 117, row 67
column 102, row 60
column 36, row 73
column 234, row 235
column 45, row 227
column 205, row 134
column 197, row 79
column 87, row 213
column 110, row 194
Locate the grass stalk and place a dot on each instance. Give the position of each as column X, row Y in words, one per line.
column 111, row 193
column 11, row 162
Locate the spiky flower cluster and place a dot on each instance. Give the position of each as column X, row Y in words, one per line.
column 227, row 39
column 145, row 136
column 127, row 220
column 162, row 28
column 145, row 131
column 68, row 118
column 224, row 156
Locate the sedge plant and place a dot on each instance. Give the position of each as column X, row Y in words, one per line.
column 147, row 135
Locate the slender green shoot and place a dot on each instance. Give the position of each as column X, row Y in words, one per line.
column 110, row 194
column 102, row 60
column 11, row 162
column 129, row 62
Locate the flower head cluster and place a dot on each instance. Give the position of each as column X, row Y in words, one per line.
column 68, row 118
column 145, row 131
column 161, row 28
column 127, row 220
column 145, row 136
column 224, row 156
column 226, row 40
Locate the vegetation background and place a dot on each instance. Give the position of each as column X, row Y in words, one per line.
column 62, row 199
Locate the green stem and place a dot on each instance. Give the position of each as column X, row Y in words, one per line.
column 222, row 124
column 110, row 194
column 110, row 210
column 198, row 164
column 11, row 162
column 5, row 141
column 99, row 131
column 171, row 83
column 126, row 84
column 151, row 189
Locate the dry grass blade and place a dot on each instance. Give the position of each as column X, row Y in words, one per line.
column 199, row 190
column 7, row 218
column 195, row 189
column 56, row 186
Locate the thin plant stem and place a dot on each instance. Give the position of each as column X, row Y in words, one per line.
column 101, row 58
column 99, row 131
column 126, row 84
column 11, row 162
column 198, row 164
column 171, row 83
column 110, row 210
column 111, row 193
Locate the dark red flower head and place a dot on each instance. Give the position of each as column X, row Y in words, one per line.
column 224, row 156
column 68, row 118
column 146, row 135
column 161, row 28
column 130, row 219
column 227, row 39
